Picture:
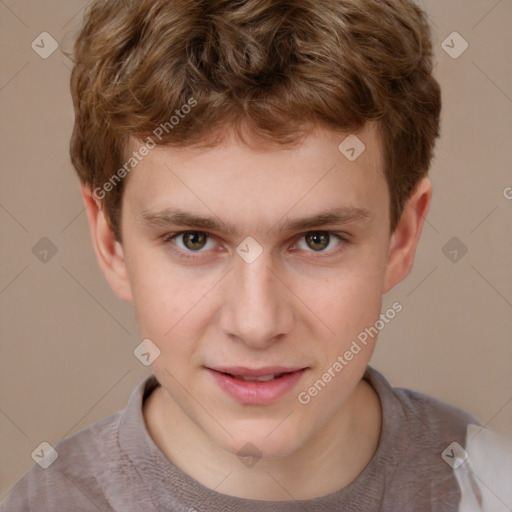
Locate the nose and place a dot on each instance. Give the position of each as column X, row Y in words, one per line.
column 258, row 308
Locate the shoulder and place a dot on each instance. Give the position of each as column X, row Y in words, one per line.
column 417, row 431
column 427, row 412
column 421, row 413
column 443, row 453
column 90, row 466
column 75, row 476
column 485, row 475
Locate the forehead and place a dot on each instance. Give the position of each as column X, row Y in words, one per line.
column 227, row 139
column 329, row 168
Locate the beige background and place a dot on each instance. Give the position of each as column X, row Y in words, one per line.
column 67, row 341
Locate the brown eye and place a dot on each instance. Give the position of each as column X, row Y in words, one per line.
column 194, row 240
column 317, row 240
column 192, row 245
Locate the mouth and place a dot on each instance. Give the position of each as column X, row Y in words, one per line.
column 263, row 378
column 257, row 385
column 258, row 374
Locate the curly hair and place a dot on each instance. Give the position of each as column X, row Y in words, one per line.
column 280, row 67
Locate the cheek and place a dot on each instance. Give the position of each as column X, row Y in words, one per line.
column 347, row 301
column 350, row 306
column 166, row 300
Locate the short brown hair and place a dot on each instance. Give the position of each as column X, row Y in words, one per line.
column 280, row 67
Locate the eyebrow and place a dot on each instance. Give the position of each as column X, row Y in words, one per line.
column 178, row 217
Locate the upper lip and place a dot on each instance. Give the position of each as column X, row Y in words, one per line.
column 243, row 371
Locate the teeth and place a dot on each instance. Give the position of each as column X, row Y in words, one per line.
column 260, row 379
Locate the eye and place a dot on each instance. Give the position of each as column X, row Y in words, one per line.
column 321, row 241
column 191, row 241
column 191, row 244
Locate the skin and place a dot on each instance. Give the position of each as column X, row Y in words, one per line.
column 300, row 303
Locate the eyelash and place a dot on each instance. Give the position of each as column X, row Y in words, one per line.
column 342, row 237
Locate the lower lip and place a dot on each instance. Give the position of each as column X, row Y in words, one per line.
column 257, row 392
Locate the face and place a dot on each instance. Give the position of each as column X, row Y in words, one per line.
column 251, row 262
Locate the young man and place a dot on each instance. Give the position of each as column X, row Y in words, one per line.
column 255, row 176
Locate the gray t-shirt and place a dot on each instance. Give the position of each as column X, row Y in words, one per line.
column 114, row 465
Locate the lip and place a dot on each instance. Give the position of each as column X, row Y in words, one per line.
column 257, row 392
column 244, row 371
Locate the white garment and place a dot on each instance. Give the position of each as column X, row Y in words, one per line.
column 485, row 478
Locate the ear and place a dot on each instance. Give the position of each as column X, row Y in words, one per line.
column 108, row 250
column 405, row 238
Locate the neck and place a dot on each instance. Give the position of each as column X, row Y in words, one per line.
column 330, row 460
